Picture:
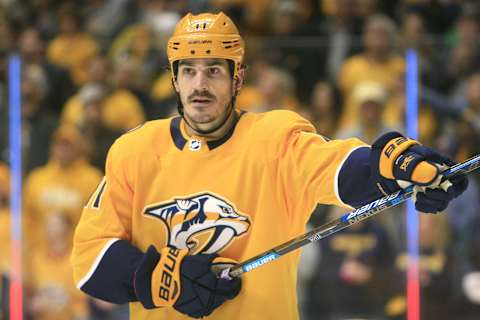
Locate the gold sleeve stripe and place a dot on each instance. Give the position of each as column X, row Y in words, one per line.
column 337, row 173
column 96, row 262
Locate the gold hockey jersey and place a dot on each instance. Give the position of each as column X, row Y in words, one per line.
column 237, row 196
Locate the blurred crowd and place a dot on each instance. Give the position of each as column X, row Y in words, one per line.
column 93, row 69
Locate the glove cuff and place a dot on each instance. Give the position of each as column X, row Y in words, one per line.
column 142, row 281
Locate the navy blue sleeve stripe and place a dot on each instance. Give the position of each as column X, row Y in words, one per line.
column 112, row 278
column 96, row 203
column 356, row 186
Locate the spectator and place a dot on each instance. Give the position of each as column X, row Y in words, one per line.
column 121, row 110
column 394, row 115
column 7, row 34
column 462, row 55
column 413, row 34
column 144, row 41
column 434, row 272
column 103, row 19
column 325, row 107
column 341, row 29
column 97, row 133
column 471, row 114
column 129, row 93
column 378, row 63
column 53, row 295
column 164, row 98
column 354, row 266
column 369, row 99
column 72, row 48
column 439, row 15
column 4, row 240
column 64, row 184
column 37, row 123
column 99, row 73
column 460, row 136
column 277, row 89
column 4, row 219
column 469, row 302
column 32, row 51
column 287, row 22
column 44, row 18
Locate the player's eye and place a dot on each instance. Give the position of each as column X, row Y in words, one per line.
column 214, row 71
column 187, row 70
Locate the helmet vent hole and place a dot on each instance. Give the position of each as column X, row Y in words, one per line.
column 192, row 51
column 224, row 23
column 204, row 25
column 228, row 47
column 197, row 26
column 208, row 51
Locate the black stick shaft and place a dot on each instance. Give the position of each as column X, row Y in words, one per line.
column 341, row 223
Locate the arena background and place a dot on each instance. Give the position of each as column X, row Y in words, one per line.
column 91, row 70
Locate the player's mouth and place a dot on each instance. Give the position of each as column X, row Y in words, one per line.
column 201, row 101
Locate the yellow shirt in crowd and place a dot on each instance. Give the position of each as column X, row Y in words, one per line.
column 74, row 53
column 50, row 279
column 121, row 110
column 53, row 189
column 4, row 241
column 358, row 69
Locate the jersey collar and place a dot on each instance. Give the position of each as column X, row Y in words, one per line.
column 180, row 141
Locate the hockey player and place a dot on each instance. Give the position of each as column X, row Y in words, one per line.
column 218, row 185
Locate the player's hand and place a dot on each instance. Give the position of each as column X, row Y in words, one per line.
column 408, row 162
column 183, row 282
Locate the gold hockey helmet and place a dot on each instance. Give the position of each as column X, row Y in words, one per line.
column 206, row 35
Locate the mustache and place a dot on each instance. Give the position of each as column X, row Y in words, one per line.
column 201, row 94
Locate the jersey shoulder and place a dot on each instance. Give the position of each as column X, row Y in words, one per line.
column 278, row 124
column 149, row 137
column 271, row 133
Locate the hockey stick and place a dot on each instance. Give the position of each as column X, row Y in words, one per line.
column 341, row 223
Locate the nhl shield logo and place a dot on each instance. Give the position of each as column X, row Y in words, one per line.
column 203, row 223
column 194, row 145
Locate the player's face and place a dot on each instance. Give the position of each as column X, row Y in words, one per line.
column 205, row 87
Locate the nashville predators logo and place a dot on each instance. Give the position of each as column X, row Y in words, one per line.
column 202, row 223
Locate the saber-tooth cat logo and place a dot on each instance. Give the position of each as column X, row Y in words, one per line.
column 202, row 223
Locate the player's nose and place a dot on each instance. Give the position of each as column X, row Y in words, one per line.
column 200, row 81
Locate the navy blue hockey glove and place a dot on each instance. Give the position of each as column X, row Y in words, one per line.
column 397, row 161
column 172, row 278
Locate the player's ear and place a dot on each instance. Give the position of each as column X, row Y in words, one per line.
column 175, row 85
column 237, row 84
